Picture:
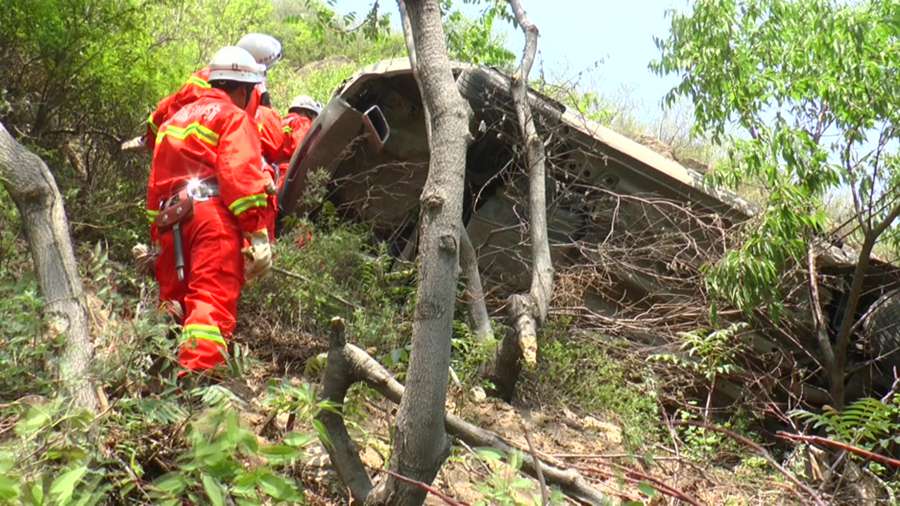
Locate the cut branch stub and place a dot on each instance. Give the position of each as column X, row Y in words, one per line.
column 527, row 311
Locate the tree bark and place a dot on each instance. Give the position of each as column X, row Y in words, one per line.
column 33, row 189
column 848, row 320
column 468, row 260
column 420, row 442
column 527, row 312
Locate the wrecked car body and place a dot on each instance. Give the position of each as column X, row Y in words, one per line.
column 630, row 229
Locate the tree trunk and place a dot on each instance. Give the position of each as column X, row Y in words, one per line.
column 849, row 320
column 468, row 261
column 420, row 442
column 32, row 187
column 527, row 312
column 348, row 364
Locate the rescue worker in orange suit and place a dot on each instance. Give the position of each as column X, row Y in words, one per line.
column 265, row 49
column 301, row 114
column 208, row 195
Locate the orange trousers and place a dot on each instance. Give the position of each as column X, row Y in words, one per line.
column 214, row 276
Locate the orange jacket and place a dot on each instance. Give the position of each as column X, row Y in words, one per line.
column 295, row 126
column 189, row 91
column 271, row 134
column 212, row 137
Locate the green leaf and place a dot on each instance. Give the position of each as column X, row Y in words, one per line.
column 64, row 485
column 9, row 489
column 171, row 483
column 646, row 489
column 489, row 454
column 37, row 493
column 36, row 418
column 298, row 440
column 278, row 488
column 213, row 489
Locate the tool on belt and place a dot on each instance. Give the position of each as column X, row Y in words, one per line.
column 179, row 208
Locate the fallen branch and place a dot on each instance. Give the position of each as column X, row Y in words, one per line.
column 764, row 454
column 636, row 477
column 821, row 441
column 348, row 364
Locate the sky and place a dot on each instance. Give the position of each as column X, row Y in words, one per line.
column 577, row 35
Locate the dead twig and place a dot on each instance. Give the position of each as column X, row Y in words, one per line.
column 428, row 488
column 301, row 277
column 764, row 454
column 637, row 477
column 545, row 494
column 830, row 443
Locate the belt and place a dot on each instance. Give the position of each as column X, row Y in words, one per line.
column 198, row 189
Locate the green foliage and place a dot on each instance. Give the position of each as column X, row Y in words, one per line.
column 709, row 354
column 474, row 40
column 301, row 400
column 704, row 445
column 214, row 467
column 340, row 274
column 26, row 354
column 583, row 374
column 61, row 474
column 506, row 486
column 587, row 103
column 804, row 92
column 869, row 423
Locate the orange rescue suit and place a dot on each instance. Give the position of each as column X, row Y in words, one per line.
column 189, row 92
column 271, row 134
column 295, row 127
column 208, row 139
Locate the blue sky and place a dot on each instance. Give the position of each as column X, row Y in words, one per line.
column 577, row 34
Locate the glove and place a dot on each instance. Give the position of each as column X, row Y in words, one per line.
column 258, row 255
column 144, row 258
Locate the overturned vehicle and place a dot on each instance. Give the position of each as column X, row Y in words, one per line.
column 630, row 228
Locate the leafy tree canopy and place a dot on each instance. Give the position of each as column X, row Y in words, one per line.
column 806, row 94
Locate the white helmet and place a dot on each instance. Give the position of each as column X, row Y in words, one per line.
column 306, row 102
column 232, row 63
column 265, row 49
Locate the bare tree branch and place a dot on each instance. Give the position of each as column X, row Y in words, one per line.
column 468, row 261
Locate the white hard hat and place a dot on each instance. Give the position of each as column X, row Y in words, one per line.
column 306, row 102
column 264, row 48
column 232, row 63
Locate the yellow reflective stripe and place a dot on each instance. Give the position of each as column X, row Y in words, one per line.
column 202, row 332
column 242, row 204
column 200, row 326
column 196, row 81
column 153, row 126
column 288, row 130
column 196, row 129
column 259, row 126
column 151, row 215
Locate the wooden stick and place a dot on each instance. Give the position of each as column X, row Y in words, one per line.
column 762, row 453
column 821, row 441
column 545, row 494
column 428, row 488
